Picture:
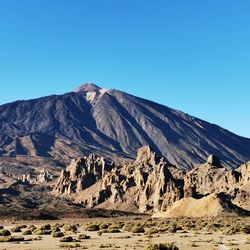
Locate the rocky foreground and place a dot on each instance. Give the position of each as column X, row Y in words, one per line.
column 150, row 184
column 92, row 186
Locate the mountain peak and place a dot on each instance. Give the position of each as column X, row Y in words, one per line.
column 87, row 87
column 114, row 124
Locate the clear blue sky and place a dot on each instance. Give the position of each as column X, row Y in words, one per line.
column 191, row 55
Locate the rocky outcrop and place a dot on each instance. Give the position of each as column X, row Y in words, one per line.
column 149, row 184
column 82, row 173
column 207, row 179
column 208, row 206
column 241, row 193
column 213, row 160
column 43, row 177
column 139, row 185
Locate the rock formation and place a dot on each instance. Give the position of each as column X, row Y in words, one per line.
column 241, row 193
column 208, row 206
column 135, row 186
column 213, row 160
column 82, row 173
column 43, row 177
column 151, row 184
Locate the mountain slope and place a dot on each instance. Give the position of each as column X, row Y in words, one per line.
column 112, row 124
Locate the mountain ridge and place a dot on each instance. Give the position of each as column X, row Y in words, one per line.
column 113, row 124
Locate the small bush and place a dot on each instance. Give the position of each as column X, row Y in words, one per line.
column 32, row 228
column 172, row 230
column 61, row 225
column 105, row 246
column 47, row 232
column 16, row 229
column 152, row 230
column 42, row 232
column 83, row 237
column 23, row 226
column 56, row 229
column 118, row 225
column 104, row 231
column 162, row 247
column 137, row 229
column 11, row 238
column 246, row 229
column 27, row 232
column 72, row 246
column 56, row 225
column 103, row 226
column 38, row 232
column 57, row 234
column 113, row 230
column 5, row 232
column 128, row 227
column 92, row 227
column 232, row 231
column 72, row 228
column 66, row 239
column 45, row 227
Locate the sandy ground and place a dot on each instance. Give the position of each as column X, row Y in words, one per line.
column 126, row 240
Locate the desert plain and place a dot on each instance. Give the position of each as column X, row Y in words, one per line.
column 141, row 232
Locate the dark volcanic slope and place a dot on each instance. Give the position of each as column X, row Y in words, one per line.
column 113, row 124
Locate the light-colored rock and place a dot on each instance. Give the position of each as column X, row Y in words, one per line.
column 44, row 177
column 150, row 184
column 208, row 206
column 213, row 160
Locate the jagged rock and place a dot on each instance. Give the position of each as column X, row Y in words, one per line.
column 241, row 195
column 82, row 173
column 147, row 155
column 213, row 160
column 149, row 184
column 26, row 178
column 44, row 177
column 138, row 185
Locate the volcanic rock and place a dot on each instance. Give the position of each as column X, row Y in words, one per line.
column 136, row 186
column 213, row 160
column 208, row 206
column 151, row 184
column 112, row 124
